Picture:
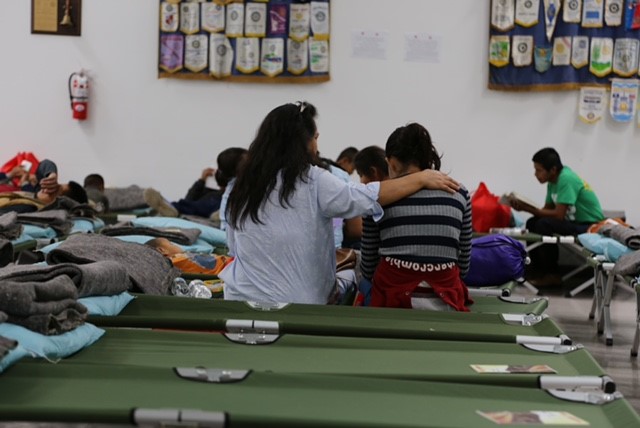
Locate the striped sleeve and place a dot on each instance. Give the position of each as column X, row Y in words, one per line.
column 465, row 239
column 369, row 246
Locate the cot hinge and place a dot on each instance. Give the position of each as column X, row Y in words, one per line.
column 178, row 418
column 252, row 332
column 489, row 292
column 266, row 306
column 550, row 344
column 581, row 389
column 203, row 374
column 522, row 299
column 526, row 320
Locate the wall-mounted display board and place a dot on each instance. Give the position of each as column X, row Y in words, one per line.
column 271, row 41
column 562, row 44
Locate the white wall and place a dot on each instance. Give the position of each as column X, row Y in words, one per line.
column 162, row 133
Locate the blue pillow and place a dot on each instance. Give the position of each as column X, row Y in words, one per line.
column 602, row 245
column 209, row 234
column 52, row 348
column 106, row 305
column 20, row 239
column 45, row 250
column 199, row 246
column 37, row 232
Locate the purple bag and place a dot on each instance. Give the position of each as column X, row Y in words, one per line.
column 495, row 259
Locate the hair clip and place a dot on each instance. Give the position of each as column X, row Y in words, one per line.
column 301, row 105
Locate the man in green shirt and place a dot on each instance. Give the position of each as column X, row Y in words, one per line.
column 571, row 206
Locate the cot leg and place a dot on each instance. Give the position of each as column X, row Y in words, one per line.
column 636, row 338
column 588, row 283
column 606, row 304
column 598, row 296
column 529, row 286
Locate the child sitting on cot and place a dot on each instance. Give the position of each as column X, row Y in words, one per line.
column 203, row 264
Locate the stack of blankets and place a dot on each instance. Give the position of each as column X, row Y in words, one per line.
column 44, row 299
column 628, row 264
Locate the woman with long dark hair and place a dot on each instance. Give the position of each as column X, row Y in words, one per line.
column 281, row 208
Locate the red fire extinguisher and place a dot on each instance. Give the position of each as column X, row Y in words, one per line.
column 79, row 94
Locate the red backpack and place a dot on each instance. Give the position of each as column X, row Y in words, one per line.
column 487, row 212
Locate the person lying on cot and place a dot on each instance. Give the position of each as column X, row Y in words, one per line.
column 570, row 207
column 281, row 211
column 43, row 189
column 204, row 264
column 423, row 241
column 200, row 200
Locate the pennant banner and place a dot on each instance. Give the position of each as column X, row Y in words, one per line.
column 624, row 96
column 562, row 44
column 260, row 40
column 592, row 104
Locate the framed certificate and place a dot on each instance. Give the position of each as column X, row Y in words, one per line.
column 58, row 17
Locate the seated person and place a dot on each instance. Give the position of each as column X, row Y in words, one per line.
column 94, row 186
column 345, row 159
column 570, row 207
column 200, row 200
column 371, row 166
column 423, row 240
column 204, row 264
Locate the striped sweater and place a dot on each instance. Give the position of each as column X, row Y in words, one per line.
column 430, row 226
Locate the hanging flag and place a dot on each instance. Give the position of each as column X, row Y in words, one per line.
column 591, row 104
column 632, row 15
column 502, row 14
column 272, row 61
column 499, row 48
column 572, row 12
column 527, row 12
column 195, row 53
column 625, row 57
column 522, row 53
column 551, row 12
column 592, row 13
column 171, row 52
column 601, row 56
column 221, row 56
column 579, row 51
column 168, row 17
column 542, row 58
column 624, row 96
column 562, row 51
column 613, row 12
column 213, row 17
column 190, row 18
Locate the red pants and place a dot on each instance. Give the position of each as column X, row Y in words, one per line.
column 395, row 281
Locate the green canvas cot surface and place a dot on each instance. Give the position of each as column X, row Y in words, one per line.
column 119, row 394
column 449, row 361
column 148, row 311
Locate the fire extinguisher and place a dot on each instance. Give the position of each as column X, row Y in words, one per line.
column 79, row 94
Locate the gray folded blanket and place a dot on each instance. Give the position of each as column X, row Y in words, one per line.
column 125, row 198
column 102, row 278
column 53, row 324
column 628, row 264
column 150, row 272
column 174, row 234
column 58, row 220
column 9, row 226
column 625, row 235
column 46, row 307
column 6, row 252
column 31, row 298
column 74, row 208
column 6, row 345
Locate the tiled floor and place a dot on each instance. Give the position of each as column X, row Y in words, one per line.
column 572, row 315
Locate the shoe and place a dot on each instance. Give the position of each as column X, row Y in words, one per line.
column 154, row 199
column 548, row 280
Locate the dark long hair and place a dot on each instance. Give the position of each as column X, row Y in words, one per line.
column 412, row 145
column 228, row 163
column 281, row 146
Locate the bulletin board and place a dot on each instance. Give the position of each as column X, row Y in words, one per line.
column 268, row 41
column 562, row 44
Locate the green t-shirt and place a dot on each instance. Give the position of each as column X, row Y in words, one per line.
column 571, row 190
